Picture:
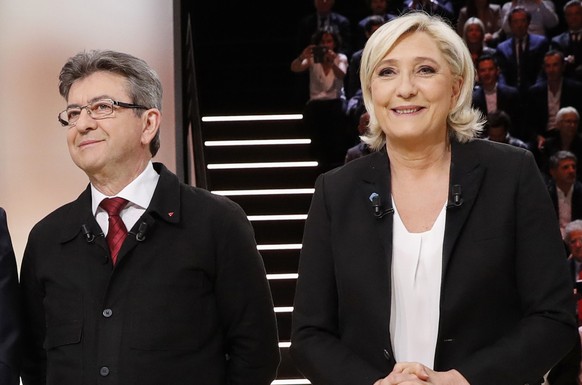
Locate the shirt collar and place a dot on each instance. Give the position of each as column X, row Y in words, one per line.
column 139, row 192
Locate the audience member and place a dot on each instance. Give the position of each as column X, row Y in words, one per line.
column 325, row 18
column 473, row 36
column 324, row 114
column 180, row 298
column 490, row 94
column 573, row 239
column 567, row 138
column 353, row 76
column 520, row 57
column 9, row 309
column 543, row 16
column 498, row 128
column 570, row 41
column 567, row 371
column 552, row 92
column 488, row 13
column 443, row 8
column 362, row 147
column 565, row 190
column 378, row 8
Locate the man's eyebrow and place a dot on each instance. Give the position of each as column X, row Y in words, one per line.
column 92, row 100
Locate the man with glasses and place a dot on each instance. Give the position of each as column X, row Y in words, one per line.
column 141, row 279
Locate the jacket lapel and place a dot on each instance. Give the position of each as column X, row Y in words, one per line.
column 376, row 180
column 465, row 180
column 165, row 206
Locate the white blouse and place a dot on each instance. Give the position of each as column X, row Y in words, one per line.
column 416, row 290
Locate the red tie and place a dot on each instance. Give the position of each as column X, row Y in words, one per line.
column 117, row 231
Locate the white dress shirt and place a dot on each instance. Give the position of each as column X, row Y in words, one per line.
column 416, row 290
column 139, row 193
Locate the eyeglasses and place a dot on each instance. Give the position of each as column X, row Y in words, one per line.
column 98, row 109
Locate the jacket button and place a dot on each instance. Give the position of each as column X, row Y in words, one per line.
column 104, row 371
column 107, row 313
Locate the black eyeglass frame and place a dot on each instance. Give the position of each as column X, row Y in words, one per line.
column 116, row 103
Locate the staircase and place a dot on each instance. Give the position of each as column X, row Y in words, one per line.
column 238, row 54
column 275, row 198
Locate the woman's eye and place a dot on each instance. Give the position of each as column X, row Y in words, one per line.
column 426, row 70
column 386, row 72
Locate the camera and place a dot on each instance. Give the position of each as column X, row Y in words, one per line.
column 319, row 53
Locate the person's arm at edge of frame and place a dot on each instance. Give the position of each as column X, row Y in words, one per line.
column 244, row 302
column 10, row 332
column 33, row 369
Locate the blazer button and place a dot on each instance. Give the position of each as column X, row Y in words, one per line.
column 104, row 371
column 107, row 313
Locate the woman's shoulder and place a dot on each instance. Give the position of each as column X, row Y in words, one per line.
column 491, row 152
column 357, row 169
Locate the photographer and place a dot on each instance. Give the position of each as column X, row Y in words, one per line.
column 324, row 114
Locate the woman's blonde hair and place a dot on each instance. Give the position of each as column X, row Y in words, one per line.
column 463, row 122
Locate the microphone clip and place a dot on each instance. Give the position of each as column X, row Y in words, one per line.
column 379, row 211
column 141, row 232
column 457, row 198
column 87, row 233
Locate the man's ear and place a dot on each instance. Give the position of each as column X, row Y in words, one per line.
column 151, row 125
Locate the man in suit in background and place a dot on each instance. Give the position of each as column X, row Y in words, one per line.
column 570, row 41
column 520, row 57
column 549, row 95
column 182, row 297
column 9, row 309
column 490, row 95
column 564, row 189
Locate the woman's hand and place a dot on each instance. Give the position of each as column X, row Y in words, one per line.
column 307, row 53
column 411, row 373
column 330, row 56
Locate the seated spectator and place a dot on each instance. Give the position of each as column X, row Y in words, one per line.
column 543, row 16
column 567, row 139
column 361, row 148
column 498, row 127
column 443, row 8
column 355, row 108
column 565, row 190
column 324, row 114
column 489, row 14
column 551, row 93
column 490, row 94
column 570, row 41
column 521, row 56
column 378, row 8
column 567, row 371
column 473, row 36
column 353, row 77
column 325, row 18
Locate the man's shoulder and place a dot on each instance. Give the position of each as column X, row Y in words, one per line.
column 537, row 40
column 560, row 38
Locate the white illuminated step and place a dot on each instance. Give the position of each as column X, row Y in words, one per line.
column 291, row 381
column 282, row 276
column 282, row 191
column 289, row 217
column 283, row 309
column 282, row 246
column 237, row 166
column 251, row 118
column 261, row 142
